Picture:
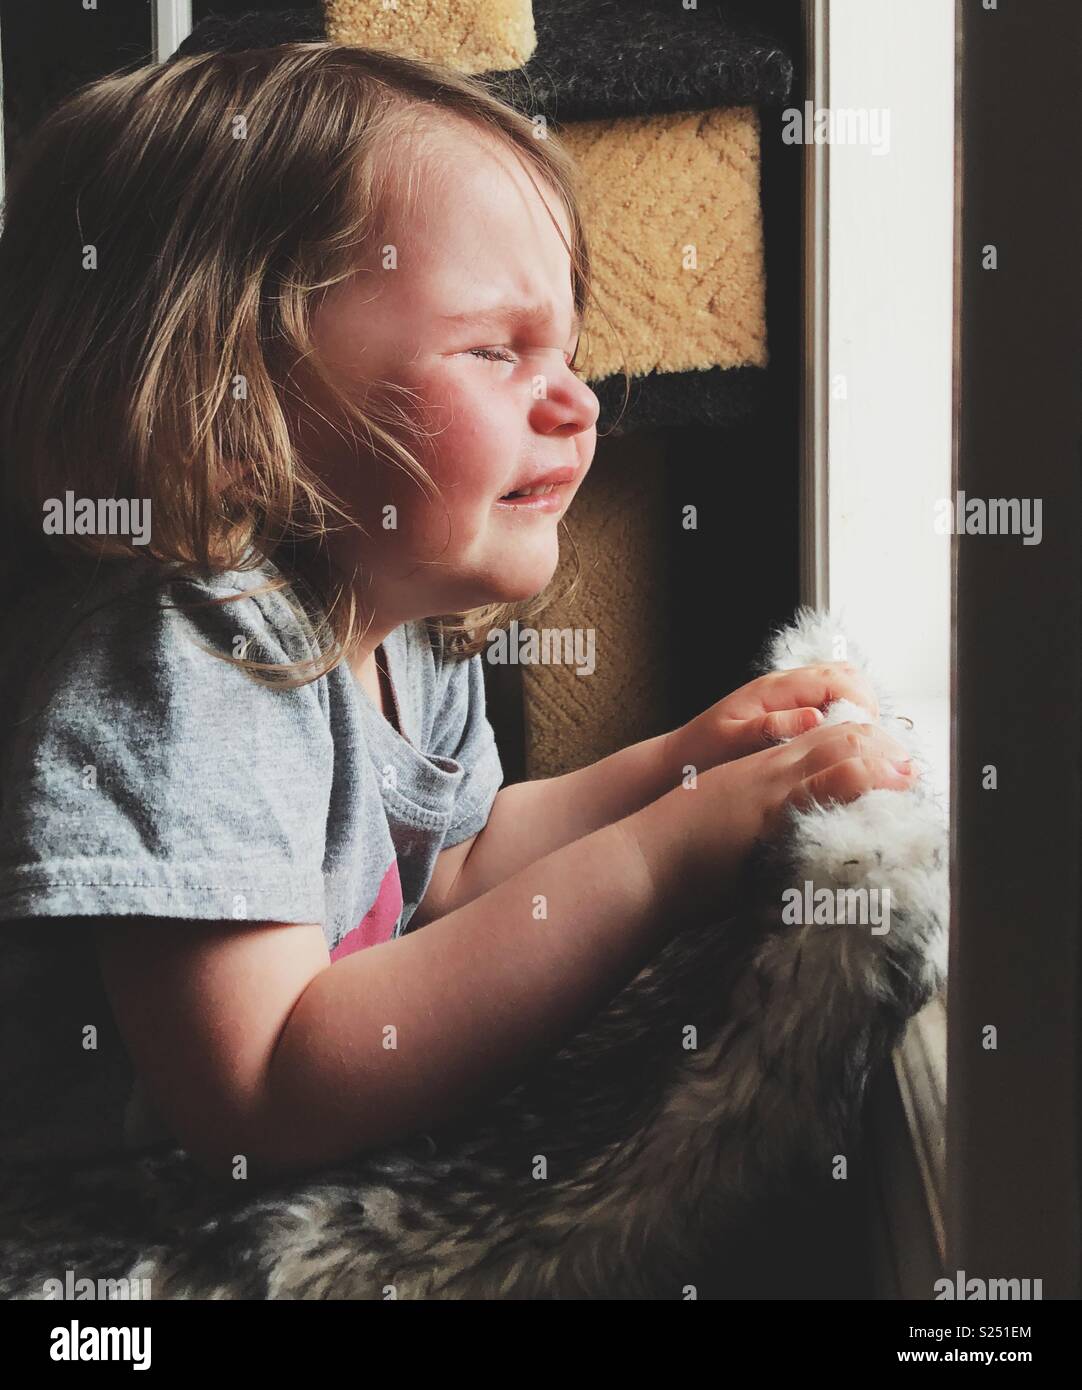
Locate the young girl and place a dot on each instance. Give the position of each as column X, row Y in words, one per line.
column 286, row 337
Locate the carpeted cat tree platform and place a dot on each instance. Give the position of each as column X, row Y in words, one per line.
column 661, row 107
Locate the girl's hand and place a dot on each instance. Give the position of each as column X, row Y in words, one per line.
column 833, row 764
column 695, row 838
column 780, row 705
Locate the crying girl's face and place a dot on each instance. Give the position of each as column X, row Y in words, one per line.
column 470, row 308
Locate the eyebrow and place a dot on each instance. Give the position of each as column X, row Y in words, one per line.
column 519, row 315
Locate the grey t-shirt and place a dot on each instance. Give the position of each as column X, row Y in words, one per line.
column 142, row 776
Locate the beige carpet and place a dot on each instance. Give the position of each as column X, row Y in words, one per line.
column 622, row 597
column 468, row 35
column 674, row 218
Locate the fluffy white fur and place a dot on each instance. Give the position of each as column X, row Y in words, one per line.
column 885, row 838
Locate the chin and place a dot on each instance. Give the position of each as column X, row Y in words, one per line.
column 530, row 579
column 516, row 574
column 515, row 584
column 518, row 593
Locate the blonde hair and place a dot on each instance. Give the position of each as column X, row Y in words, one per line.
column 152, row 264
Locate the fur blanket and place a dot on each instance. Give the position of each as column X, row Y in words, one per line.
column 731, row 1068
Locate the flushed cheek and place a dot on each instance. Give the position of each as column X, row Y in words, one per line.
column 430, row 527
column 473, row 458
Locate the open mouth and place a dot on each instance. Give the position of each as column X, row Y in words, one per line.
column 545, row 498
column 540, row 491
column 548, row 495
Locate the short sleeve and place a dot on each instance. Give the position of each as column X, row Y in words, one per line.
column 462, row 731
column 146, row 776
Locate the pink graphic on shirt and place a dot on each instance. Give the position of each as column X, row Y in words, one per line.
column 379, row 921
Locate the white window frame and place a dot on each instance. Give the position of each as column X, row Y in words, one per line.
column 170, row 25
column 877, row 417
column 877, row 441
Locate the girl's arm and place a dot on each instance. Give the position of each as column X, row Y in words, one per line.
column 531, row 819
column 251, row 1043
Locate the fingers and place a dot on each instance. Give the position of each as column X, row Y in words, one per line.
column 819, row 686
column 846, row 780
column 834, row 743
column 788, row 723
column 743, row 737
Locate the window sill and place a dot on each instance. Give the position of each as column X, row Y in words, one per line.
column 909, row 1116
column 920, row 1066
column 907, row 1138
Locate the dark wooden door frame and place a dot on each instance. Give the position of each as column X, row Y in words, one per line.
column 1013, row 1110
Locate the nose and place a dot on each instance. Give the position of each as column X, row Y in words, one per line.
column 567, row 405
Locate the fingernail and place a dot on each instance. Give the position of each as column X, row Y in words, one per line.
column 907, row 766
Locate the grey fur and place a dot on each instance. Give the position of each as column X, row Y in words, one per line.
column 655, row 1154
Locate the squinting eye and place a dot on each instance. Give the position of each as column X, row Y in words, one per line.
column 491, row 354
